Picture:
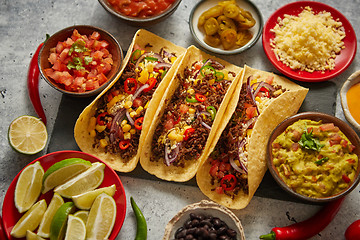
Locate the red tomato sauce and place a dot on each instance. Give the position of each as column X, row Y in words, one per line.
column 80, row 63
column 141, row 8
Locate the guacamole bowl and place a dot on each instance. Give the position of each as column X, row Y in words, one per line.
column 314, row 157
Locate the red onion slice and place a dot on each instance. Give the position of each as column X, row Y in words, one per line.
column 201, row 121
column 248, row 123
column 148, row 54
column 115, row 129
column 171, row 155
column 131, row 121
column 162, row 65
column 235, row 166
column 251, row 93
column 139, row 90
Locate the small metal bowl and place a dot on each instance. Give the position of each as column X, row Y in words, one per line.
column 207, row 208
column 198, row 35
column 114, row 48
column 141, row 22
column 316, row 116
column 352, row 80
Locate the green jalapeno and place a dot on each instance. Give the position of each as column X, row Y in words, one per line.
column 207, row 69
column 219, row 76
column 191, row 99
column 151, row 59
column 212, row 111
column 141, row 229
column 135, row 55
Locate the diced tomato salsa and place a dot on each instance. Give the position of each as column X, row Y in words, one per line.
column 141, row 8
column 80, row 63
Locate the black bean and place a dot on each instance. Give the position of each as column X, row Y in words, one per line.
column 187, row 224
column 212, row 236
column 189, row 237
column 216, row 222
column 224, row 237
column 195, row 222
column 191, row 231
column 181, row 234
column 231, row 233
column 222, row 230
column 178, row 231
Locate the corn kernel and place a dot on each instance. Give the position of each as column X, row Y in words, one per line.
column 127, row 135
column 132, row 131
column 179, row 137
column 248, row 132
column 103, row 143
column 133, row 114
column 139, row 109
column 144, row 75
column 146, row 105
column 92, row 123
column 173, row 59
column 128, row 104
column 212, row 81
column 192, row 110
column 258, row 99
column 100, row 128
column 172, row 135
column 93, row 133
column 191, row 91
column 126, row 127
column 123, row 123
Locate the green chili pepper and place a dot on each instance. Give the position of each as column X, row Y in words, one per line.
column 321, row 161
column 212, row 111
column 207, row 69
column 219, row 76
column 163, row 74
column 135, row 55
column 191, row 99
column 141, row 230
column 151, row 59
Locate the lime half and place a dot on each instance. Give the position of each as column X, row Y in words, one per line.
column 27, row 134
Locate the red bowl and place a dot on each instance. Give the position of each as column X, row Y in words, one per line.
column 11, row 215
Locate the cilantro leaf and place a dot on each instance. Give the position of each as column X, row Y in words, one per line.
column 76, row 63
column 308, row 141
column 88, row 60
column 321, row 161
column 78, row 46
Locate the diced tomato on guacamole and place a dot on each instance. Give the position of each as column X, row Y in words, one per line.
column 80, row 63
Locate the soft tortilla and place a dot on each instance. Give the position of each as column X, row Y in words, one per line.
column 182, row 174
column 280, row 108
column 150, row 42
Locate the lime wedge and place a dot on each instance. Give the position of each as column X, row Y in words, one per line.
column 44, row 228
column 85, row 181
column 58, row 223
column 101, row 217
column 75, row 229
column 28, row 186
column 82, row 214
column 62, row 171
column 27, row 134
column 30, row 220
column 32, row 236
column 85, row 200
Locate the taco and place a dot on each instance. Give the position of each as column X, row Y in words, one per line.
column 188, row 116
column 235, row 163
column 114, row 125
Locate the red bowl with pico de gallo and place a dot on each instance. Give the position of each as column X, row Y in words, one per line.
column 80, row 60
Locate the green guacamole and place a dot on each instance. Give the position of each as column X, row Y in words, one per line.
column 314, row 159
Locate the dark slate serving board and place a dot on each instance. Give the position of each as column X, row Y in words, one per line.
column 321, row 98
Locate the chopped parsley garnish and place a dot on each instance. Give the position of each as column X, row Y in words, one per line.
column 78, row 46
column 308, row 141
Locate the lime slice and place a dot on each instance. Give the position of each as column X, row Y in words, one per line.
column 32, row 236
column 28, row 186
column 85, row 181
column 82, row 214
column 85, row 200
column 63, row 171
column 44, row 228
column 27, row 134
column 75, row 229
column 101, row 217
column 30, row 220
column 58, row 223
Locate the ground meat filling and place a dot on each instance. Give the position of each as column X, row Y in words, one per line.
column 145, row 97
column 228, row 144
column 193, row 147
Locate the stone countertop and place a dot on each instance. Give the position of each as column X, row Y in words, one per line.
column 23, row 26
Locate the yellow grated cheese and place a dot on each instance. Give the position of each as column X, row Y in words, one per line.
column 309, row 42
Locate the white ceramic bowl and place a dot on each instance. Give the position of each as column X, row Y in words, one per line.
column 208, row 208
column 198, row 35
column 352, row 80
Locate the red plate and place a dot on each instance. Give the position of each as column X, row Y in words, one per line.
column 342, row 61
column 11, row 215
